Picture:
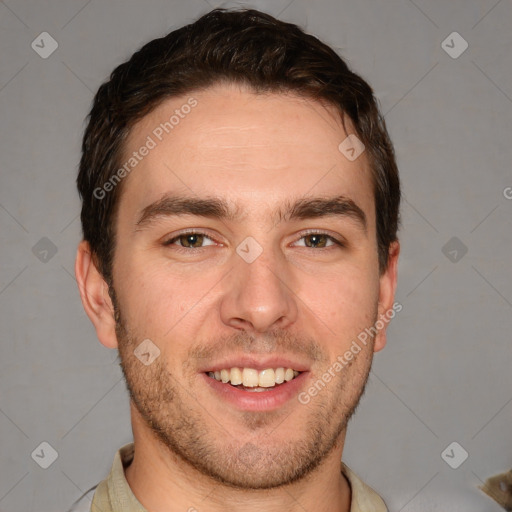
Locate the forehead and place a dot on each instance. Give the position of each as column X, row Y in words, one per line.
column 252, row 148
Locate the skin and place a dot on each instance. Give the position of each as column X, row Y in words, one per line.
column 310, row 303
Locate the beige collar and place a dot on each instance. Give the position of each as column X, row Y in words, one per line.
column 114, row 493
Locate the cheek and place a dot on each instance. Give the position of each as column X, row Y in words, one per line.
column 346, row 302
column 140, row 290
column 160, row 299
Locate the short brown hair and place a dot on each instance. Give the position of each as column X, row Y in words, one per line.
column 237, row 46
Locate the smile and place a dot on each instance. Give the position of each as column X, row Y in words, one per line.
column 250, row 379
column 248, row 389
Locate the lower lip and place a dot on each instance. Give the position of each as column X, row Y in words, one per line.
column 254, row 400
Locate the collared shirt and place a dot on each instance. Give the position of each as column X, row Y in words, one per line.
column 114, row 494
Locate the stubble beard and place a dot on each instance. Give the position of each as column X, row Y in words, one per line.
column 175, row 416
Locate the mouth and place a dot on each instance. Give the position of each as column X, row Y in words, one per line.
column 257, row 386
column 252, row 380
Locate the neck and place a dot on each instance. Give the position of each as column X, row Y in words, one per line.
column 162, row 481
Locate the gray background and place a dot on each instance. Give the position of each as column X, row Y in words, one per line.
column 446, row 373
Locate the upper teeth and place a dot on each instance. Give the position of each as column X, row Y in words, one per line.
column 250, row 377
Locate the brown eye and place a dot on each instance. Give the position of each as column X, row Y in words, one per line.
column 316, row 240
column 319, row 241
column 191, row 240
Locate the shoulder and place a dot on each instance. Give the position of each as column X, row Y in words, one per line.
column 364, row 498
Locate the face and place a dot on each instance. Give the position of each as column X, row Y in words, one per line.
column 246, row 239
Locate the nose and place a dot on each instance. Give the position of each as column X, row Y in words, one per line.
column 259, row 295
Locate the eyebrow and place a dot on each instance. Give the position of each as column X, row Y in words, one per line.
column 218, row 208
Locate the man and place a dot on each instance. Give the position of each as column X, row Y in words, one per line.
column 240, row 213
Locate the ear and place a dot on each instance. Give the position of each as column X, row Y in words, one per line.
column 94, row 294
column 387, row 290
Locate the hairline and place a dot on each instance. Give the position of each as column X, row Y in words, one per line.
column 244, row 84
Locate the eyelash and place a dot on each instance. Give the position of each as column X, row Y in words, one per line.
column 337, row 243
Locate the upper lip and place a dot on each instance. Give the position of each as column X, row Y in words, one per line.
column 257, row 363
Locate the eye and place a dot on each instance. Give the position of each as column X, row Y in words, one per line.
column 196, row 239
column 315, row 239
column 190, row 240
